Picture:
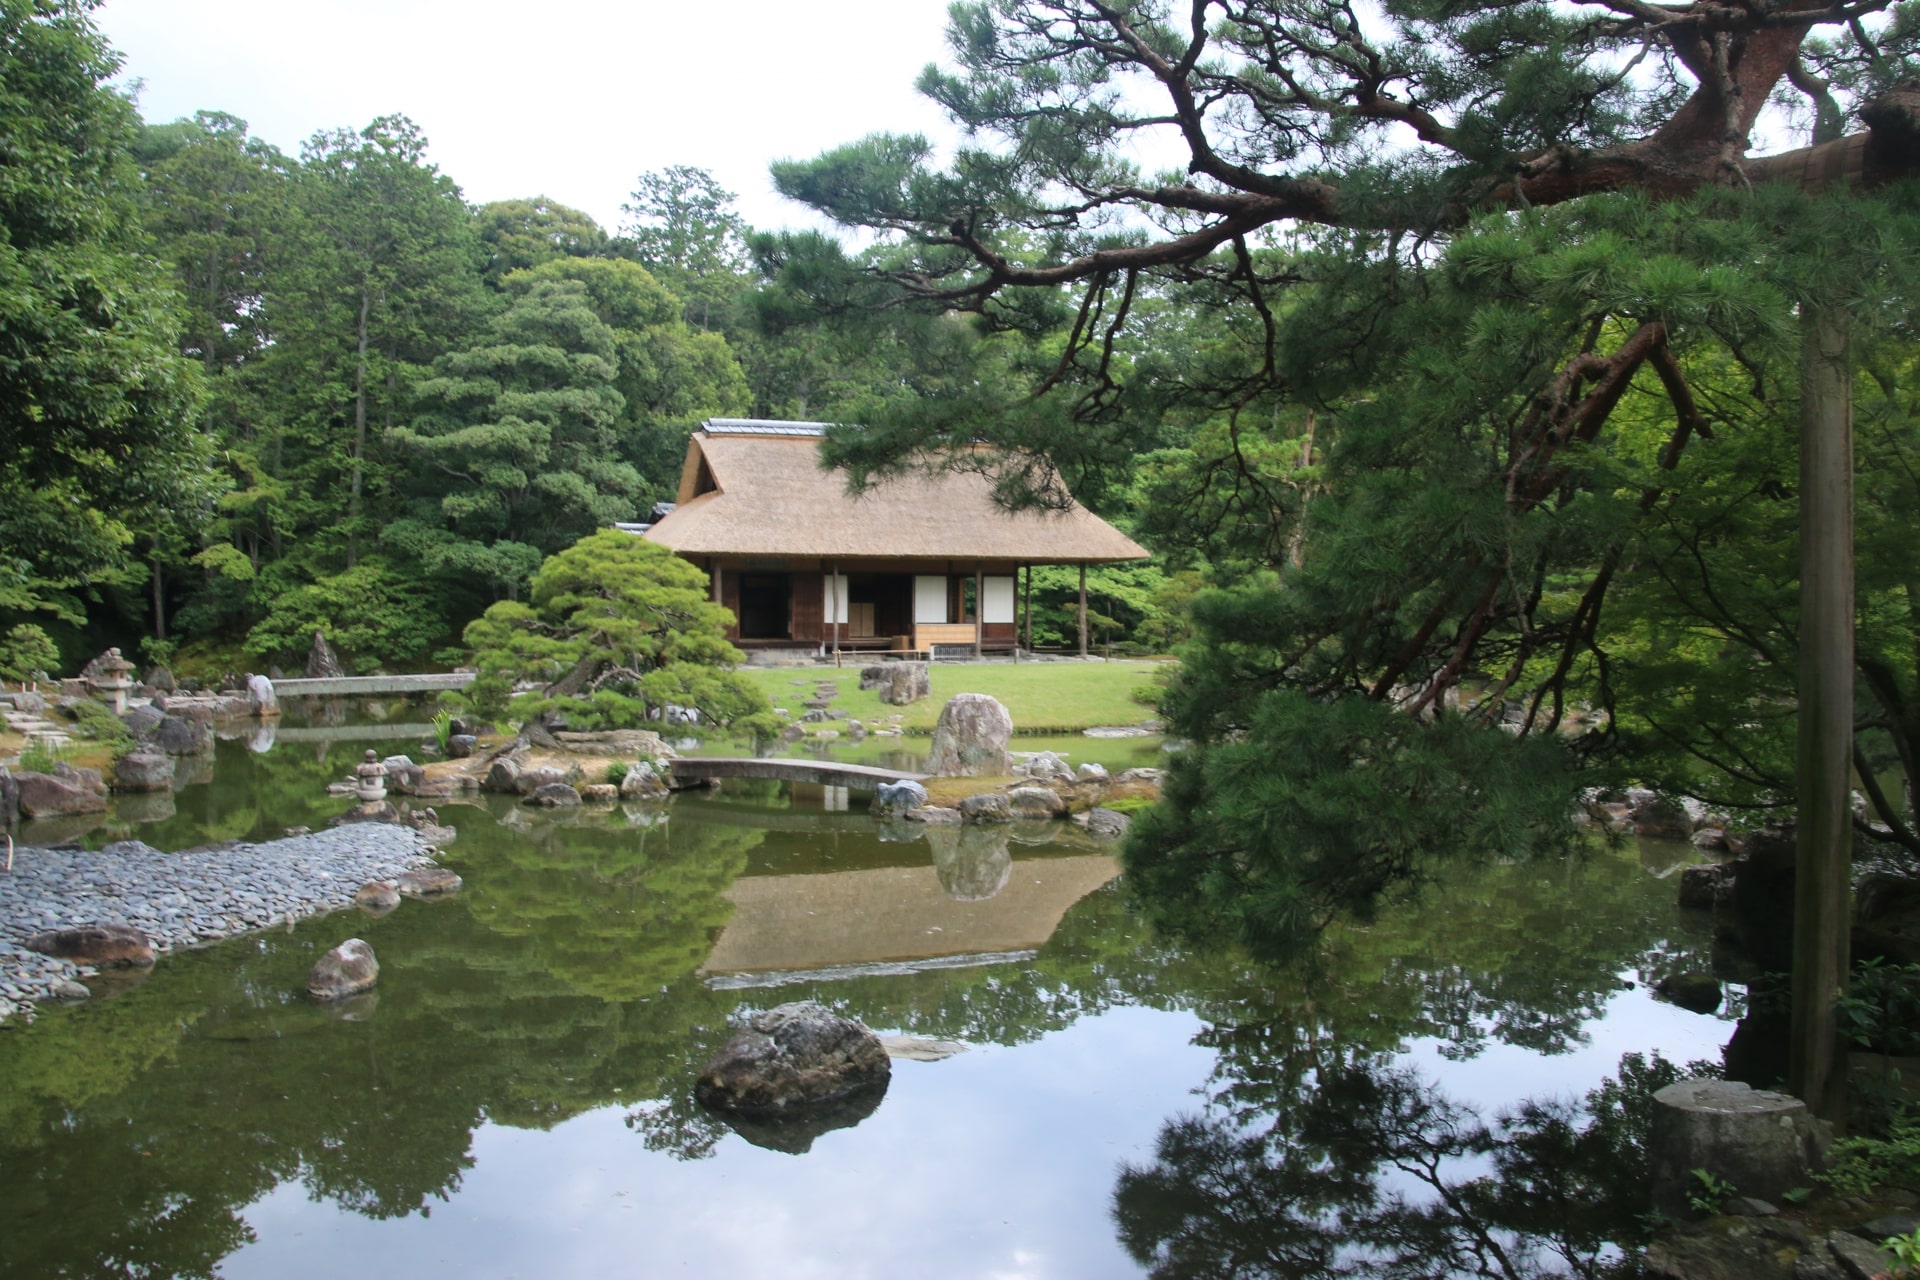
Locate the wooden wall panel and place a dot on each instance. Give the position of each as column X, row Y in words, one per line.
column 810, row 607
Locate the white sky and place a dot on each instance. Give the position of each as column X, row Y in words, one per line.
column 571, row 99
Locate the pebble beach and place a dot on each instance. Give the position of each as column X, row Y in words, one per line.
column 182, row 899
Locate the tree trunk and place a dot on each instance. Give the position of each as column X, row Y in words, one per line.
column 1083, row 610
column 159, row 601
column 1816, row 1072
column 359, row 433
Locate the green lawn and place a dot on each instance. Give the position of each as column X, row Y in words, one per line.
column 1043, row 697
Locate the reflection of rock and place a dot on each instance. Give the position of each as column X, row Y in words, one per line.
column 920, row 1049
column 971, row 738
column 347, row 970
column 791, row 1059
column 106, row 945
column 261, row 740
column 144, row 806
column 358, row 1008
column 795, row 1134
column 973, row 862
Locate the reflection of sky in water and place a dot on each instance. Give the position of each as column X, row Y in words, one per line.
column 945, row 1179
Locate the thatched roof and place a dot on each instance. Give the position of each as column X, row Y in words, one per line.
column 756, row 489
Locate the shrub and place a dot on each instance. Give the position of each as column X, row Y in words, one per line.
column 26, row 651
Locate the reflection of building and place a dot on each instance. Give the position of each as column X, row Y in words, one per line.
column 917, row 561
column 892, row 915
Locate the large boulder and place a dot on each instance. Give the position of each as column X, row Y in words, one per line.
column 643, row 782
column 41, row 795
column 792, row 1058
column 989, row 806
column 895, row 799
column 108, row 946
column 9, row 798
column 503, row 776
column 179, row 736
column 970, row 739
column 531, row 780
column 143, row 771
column 427, row 882
column 347, row 970
column 261, row 699
column 553, row 795
column 1036, row 802
column 143, row 722
column 321, row 662
column 898, row 683
column 1761, row 1144
column 160, row 677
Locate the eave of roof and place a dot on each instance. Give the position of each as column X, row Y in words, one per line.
column 773, row 499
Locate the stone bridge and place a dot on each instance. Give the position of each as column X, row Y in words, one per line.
column 823, row 773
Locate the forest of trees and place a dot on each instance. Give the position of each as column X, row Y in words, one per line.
column 1460, row 378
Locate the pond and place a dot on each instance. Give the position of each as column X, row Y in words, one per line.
column 517, row 1100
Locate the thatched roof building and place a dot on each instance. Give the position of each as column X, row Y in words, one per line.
column 917, row 561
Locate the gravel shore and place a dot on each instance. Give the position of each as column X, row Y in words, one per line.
column 182, row 899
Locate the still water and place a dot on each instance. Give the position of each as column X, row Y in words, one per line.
column 517, row 1101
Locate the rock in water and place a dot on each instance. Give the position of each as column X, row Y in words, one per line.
column 791, row 1058
column 1760, row 1143
column 428, row 882
column 178, row 736
column 894, row 799
column 143, row 771
column 321, row 662
column 970, row 740
column 105, row 945
column 42, row 795
column 347, row 970
column 377, row 897
column 261, row 699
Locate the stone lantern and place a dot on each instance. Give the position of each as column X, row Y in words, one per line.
column 373, row 778
column 111, row 680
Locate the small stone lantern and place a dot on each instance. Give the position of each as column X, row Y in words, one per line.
column 112, row 680
column 373, row 778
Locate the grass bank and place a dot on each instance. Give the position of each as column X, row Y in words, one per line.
column 1042, row 697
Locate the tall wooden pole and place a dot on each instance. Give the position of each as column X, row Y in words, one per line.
column 1083, row 608
column 1028, row 609
column 833, row 571
column 1825, row 852
column 979, row 609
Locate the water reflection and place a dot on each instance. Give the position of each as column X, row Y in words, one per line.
column 569, row 986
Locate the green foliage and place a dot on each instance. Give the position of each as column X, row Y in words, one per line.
column 1860, row 1163
column 1366, row 802
column 1906, row 1254
column 1881, row 1010
column 97, row 407
column 1709, row 1192
column 518, row 234
column 442, row 729
column 378, row 611
column 619, row 629
column 96, row 722
column 27, row 650
column 38, row 757
column 617, row 772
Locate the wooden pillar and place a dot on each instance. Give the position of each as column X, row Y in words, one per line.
column 1816, row 1070
column 713, row 572
column 833, row 579
column 979, row 609
column 1083, row 608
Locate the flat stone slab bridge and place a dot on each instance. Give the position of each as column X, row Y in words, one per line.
column 344, row 686
column 825, row 773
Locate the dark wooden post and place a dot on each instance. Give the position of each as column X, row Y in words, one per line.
column 1816, row 1073
column 979, row 609
column 833, row 580
column 1028, row 610
column 1083, row 608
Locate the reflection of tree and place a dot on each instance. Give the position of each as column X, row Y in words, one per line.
column 1365, row 1169
column 618, row 912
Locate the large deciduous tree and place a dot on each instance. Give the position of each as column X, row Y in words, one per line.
column 1448, row 529
column 97, row 409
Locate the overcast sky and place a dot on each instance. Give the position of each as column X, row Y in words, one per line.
column 571, row 99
